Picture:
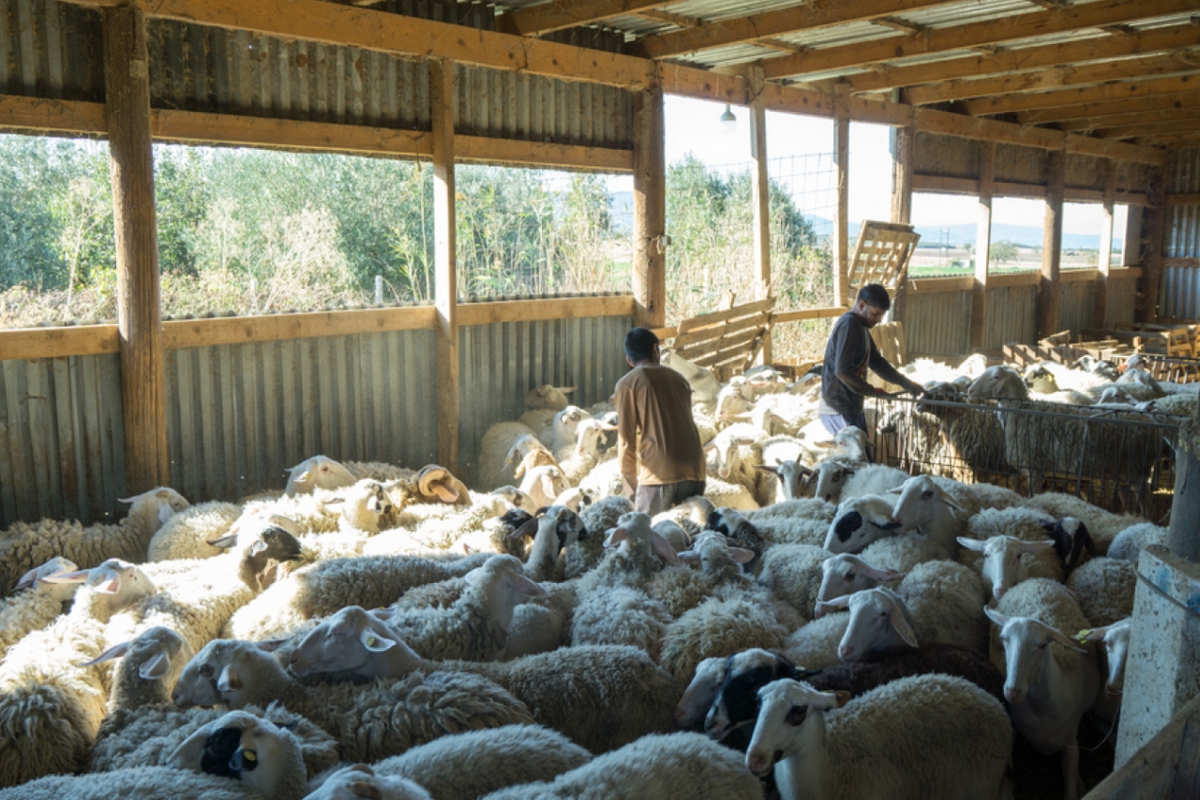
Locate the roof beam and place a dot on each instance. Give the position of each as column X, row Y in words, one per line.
column 1169, row 139
column 1055, row 78
column 815, row 14
column 1110, row 108
column 1127, row 131
column 1135, row 118
column 559, row 14
column 1087, row 94
column 997, row 31
column 1027, row 58
column 679, row 20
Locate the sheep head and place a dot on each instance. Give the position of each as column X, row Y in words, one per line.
column 36, row 578
column 121, row 583
column 920, row 501
column 877, row 617
column 548, row 396
column 998, row 383
column 157, row 505
column 858, row 522
column 1002, row 566
column 1116, row 648
column 635, row 530
column 318, row 472
column 784, row 705
column 1039, row 378
column 844, row 574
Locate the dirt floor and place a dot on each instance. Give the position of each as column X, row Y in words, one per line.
column 1038, row 777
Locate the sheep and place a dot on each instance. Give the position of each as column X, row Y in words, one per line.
column 792, row 573
column 1047, row 688
column 563, row 436
column 815, row 645
column 585, row 552
column 187, row 533
column 51, row 706
column 149, row 782
column 831, row 474
column 1131, row 540
column 1071, row 539
column 583, row 456
column 548, row 396
column 844, row 574
column 927, row 507
column 731, row 407
column 317, row 472
column 801, row 521
column 379, row 470
column 432, row 528
column 970, row 437
column 35, row 603
column 542, row 623
column 556, row 528
column 370, row 721
column 1105, row 588
column 360, row 781
column 575, row 499
column 677, row 765
column 718, row 627
column 495, row 453
column 1102, row 526
column 731, row 495
column 1116, row 646
column 956, row 741
column 254, row 751
column 464, row 766
column 1008, row 560
column 859, row 522
column 938, row 602
column 793, row 478
column 25, row 546
column 1174, row 405
column 731, row 696
column 621, row 615
column 544, row 483
column 605, row 480
column 634, row 553
column 436, row 484
column 601, row 697
column 704, row 383
column 320, row 589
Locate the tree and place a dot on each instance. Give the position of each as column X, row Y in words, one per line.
column 1003, row 252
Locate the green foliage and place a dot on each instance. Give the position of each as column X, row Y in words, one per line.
column 1002, row 252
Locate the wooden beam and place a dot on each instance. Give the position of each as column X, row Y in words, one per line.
column 330, row 23
column 1192, row 199
column 678, row 20
column 18, row 114
column 812, row 15
column 441, row 106
column 940, row 184
column 649, row 210
column 281, row 327
column 789, row 99
column 760, row 198
column 1088, row 94
column 1186, row 125
column 959, row 37
column 1152, row 249
column 1132, row 118
column 807, row 313
column 1168, row 139
column 541, row 154
column 983, row 238
column 1053, row 78
column 1100, row 318
column 1049, row 293
column 76, row 340
column 1111, row 108
column 544, row 309
column 1025, row 58
column 559, row 14
column 143, row 394
column 904, row 145
column 841, row 213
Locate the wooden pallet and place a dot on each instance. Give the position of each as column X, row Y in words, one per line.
column 881, row 255
column 726, row 342
column 889, row 338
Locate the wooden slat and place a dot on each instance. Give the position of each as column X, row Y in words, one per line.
column 530, row 310
column 760, row 190
column 1186, row 263
column 1088, row 124
column 84, row 340
column 279, row 327
column 708, row 349
column 1185, row 125
column 693, row 341
column 840, row 243
column 1107, row 108
column 1088, row 94
column 1167, row 766
column 976, row 34
column 881, row 254
column 1024, row 58
column 807, row 313
column 559, row 14
column 983, row 239
column 542, row 154
column 706, row 320
column 935, row 285
column 51, row 116
column 1048, row 296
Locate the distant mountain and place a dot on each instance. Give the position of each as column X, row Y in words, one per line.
column 1021, row 235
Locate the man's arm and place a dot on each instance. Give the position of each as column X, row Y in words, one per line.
column 880, row 366
column 847, row 359
column 627, row 422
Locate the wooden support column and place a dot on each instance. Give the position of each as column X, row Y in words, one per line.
column 139, row 318
column 649, row 208
column 904, row 148
column 1182, row 537
column 841, row 215
column 1152, row 239
column 1052, row 244
column 1100, row 320
column 1131, row 250
column 983, row 240
column 441, row 104
column 760, row 196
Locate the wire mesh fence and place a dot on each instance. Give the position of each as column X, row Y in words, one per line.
column 1120, row 461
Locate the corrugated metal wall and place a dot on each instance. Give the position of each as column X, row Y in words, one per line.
column 500, row 363
column 1179, row 289
column 50, row 49
column 239, row 415
column 947, row 156
column 1077, row 306
column 1011, row 316
column 1122, row 297
column 937, row 323
column 63, row 438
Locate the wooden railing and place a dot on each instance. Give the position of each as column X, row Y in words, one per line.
column 1168, row 766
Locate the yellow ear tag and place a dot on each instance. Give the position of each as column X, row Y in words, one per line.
column 1081, row 637
column 370, row 641
column 249, row 755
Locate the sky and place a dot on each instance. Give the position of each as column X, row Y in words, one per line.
column 692, row 126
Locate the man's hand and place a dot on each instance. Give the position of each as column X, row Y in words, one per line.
column 915, row 389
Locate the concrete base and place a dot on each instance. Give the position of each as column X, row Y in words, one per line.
column 1162, row 671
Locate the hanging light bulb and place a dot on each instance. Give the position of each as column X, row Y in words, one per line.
column 728, row 121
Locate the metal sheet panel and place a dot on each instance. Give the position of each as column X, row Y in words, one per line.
column 937, row 323
column 501, row 362
column 1077, row 306
column 1016, row 164
column 50, row 49
column 1179, row 293
column 239, row 415
column 1122, row 294
column 947, row 156
column 63, row 440
column 1011, row 316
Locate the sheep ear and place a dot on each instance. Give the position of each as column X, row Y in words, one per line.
column 155, row 667
column 270, row 645
column 79, row 576
column 110, row 586
column 1035, row 547
column 374, row 642
column 826, row 700
column 712, row 445
column 526, row 586
column 566, row 389
column 880, row 574
column 948, row 500
column 1092, row 634
column 763, row 468
column 1067, row 641
column 837, row 602
column 526, row 528
column 825, row 444
column 996, row 616
column 469, row 550
column 617, row 536
column 972, row 544
column 257, row 547
column 373, row 504
column 741, row 555
column 547, row 481
column 1049, row 526
column 902, row 627
column 229, row 679
column 223, row 542
column 383, row 613
column 663, row 548
column 843, row 697
column 116, row 651
column 896, row 490
column 689, row 557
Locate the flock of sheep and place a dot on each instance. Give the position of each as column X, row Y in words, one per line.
column 815, row 625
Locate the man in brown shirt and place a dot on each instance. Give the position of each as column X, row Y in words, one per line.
column 661, row 456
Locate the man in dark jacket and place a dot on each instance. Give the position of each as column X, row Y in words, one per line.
column 849, row 354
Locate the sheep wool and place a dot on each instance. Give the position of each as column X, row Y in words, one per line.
column 718, row 627
column 1105, row 589
column 187, row 534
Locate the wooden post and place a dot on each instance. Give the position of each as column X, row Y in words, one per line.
column 904, row 149
column 1052, row 244
column 649, row 208
column 1131, row 251
column 841, row 215
column 983, row 247
column 1182, row 537
column 139, row 318
column 1100, row 320
column 441, row 104
column 760, row 196
column 1152, row 238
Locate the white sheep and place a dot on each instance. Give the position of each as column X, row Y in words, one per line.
column 317, row 472
column 923, row 736
column 704, row 383
column 177, row 784
column 721, row 626
column 548, row 396
column 634, row 553
column 792, row 572
column 563, row 435
column 620, row 615
column 1051, row 680
column 360, row 781
column 815, row 645
column 1103, row 526
column 260, row 755
column 544, row 483
column 582, row 457
column 34, row 603
column 859, row 522
column 1128, row 544
column 25, row 545
column 187, row 534
column 601, row 697
column 1105, row 589
column 1116, row 648
column 844, row 574
column 495, row 464
column 671, row 767
column 1008, row 560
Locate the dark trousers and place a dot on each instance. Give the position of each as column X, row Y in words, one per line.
column 659, row 497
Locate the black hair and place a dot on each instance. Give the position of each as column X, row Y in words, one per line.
column 639, row 344
column 875, row 296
